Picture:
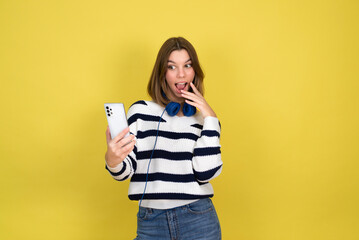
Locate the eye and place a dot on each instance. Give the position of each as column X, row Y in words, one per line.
column 171, row 67
column 188, row 65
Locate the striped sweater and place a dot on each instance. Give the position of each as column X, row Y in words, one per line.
column 187, row 156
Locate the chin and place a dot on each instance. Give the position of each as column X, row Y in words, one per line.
column 176, row 97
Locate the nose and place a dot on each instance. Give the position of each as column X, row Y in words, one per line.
column 180, row 73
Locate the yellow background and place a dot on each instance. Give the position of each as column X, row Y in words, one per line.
column 282, row 77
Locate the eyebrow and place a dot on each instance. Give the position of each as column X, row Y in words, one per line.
column 175, row 62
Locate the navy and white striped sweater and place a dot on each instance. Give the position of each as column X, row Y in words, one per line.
column 187, row 156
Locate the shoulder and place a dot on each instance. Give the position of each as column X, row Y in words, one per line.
column 140, row 106
column 143, row 109
column 139, row 102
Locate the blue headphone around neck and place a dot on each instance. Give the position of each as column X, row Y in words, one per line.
column 173, row 108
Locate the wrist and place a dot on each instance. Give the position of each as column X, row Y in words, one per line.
column 110, row 163
column 210, row 114
column 113, row 165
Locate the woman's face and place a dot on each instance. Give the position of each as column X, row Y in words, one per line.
column 179, row 74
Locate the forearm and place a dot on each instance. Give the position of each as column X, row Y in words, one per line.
column 207, row 161
column 124, row 170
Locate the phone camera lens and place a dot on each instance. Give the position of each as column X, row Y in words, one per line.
column 108, row 111
column 107, row 107
column 109, row 115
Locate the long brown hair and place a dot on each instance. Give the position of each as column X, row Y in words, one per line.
column 157, row 84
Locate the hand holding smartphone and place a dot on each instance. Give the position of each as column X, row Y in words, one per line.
column 119, row 143
column 116, row 118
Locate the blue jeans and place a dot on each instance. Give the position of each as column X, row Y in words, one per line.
column 195, row 221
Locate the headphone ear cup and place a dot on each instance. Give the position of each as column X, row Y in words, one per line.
column 188, row 110
column 173, row 108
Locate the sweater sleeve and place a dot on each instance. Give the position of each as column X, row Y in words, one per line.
column 128, row 166
column 206, row 161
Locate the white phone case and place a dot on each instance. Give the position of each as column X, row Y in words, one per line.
column 116, row 118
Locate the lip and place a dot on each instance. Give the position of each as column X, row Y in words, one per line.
column 185, row 88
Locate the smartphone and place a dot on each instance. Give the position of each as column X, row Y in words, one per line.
column 116, row 118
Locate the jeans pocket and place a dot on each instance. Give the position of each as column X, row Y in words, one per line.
column 143, row 213
column 201, row 206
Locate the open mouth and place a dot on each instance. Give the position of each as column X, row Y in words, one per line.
column 181, row 86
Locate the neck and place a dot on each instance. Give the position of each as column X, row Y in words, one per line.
column 173, row 98
column 180, row 112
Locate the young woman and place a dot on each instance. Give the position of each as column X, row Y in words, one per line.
column 176, row 152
